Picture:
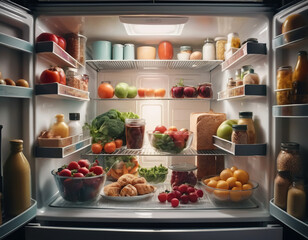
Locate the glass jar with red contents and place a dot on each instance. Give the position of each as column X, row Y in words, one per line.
column 134, row 131
column 183, row 174
column 205, row 90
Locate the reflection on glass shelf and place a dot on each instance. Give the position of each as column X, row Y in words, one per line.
column 240, row 149
column 243, row 91
column 291, row 38
column 15, row 91
column 152, row 64
column 290, row 111
column 246, row 55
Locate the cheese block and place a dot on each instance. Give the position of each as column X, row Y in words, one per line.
column 204, row 126
column 209, row 165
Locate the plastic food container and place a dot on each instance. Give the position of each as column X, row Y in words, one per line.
column 73, row 79
column 146, row 52
column 223, row 195
column 183, row 174
column 79, row 189
column 183, row 56
column 168, row 143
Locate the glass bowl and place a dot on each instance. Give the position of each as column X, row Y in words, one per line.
column 79, row 189
column 156, row 174
column 171, row 142
column 223, row 195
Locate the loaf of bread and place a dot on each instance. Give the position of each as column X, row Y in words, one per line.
column 204, row 126
column 209, row 165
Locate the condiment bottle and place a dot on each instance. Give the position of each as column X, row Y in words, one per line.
column 281, row 186
column 245, row 70
column 16, row 179
column 300, row 79
column 234, row 40
column 288, row 158
column 239, row 134
column 251, row 78
column 246, row 119
column 74, row 126
column 60, row 128
column 208, row 49
column 284, row 82
column 296, row 203
column 230, row 85
column 186, row 49
column 238, row 83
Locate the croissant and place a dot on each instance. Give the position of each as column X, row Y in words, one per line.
column 126, row 179
column 112, row 189
column 138, row 180
column 129, row 190
column 144, row 188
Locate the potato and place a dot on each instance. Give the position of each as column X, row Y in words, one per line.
column 9, row 81
column 22, row 83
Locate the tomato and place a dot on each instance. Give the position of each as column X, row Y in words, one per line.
column 78, row 175
column 65, row 172
column 184, row 199
column 50, row 76
column 62, row 75
column 160, row 92
column 96, row 148
column 178, row 136
column 73, row 165
column 183, row 188
column 141, row 92
column 161, row 129
column 172, row 128
column 165, row 50
column 83, row 170
column 175, row 202
column 149, row 92
column 118, row 143
column 44, row 37
column 170, row 196
column 162, row 197
column 199, row 193
column 193, row 197
column 62, row 42
column 84, row 163
column 110, row 147
column 105, row 90
column 98, row 170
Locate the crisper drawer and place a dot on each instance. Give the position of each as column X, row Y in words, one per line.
column 55, row 232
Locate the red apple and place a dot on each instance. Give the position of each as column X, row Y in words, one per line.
column 44, row 37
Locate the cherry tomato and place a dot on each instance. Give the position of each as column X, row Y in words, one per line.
column 96, row 148
column 178, row 194
column 161, row 128
column 105, row 90
column 199, row 193
column 162, row 197
column 84, row 163
column 141, row 92
column 83, row 170
column 149, row 92
column 73, row 165
column 78, row 175
column 172, row 128
column 98, row 170
column 193, row 197
column 118, row 143
column 110, row 147
column 160, row 92
column 165, row 50
column 190, row 190
column 175, row 202
column 183, row 188
column 62, row 42
column 170, row 196
column 43, row 37
column 184, row 199
column 65, row 172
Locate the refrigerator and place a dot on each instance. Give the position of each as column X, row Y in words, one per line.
column 25, row 113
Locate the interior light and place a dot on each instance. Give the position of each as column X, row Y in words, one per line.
column 154, row 25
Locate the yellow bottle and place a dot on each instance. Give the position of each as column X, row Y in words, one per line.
column 60, row 128
column 16, row 181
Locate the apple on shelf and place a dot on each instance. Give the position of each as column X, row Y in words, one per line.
column 225, row 129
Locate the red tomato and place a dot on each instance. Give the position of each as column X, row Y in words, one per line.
column 193, row 197
column 84, row 163
column 65, row 172
column 98, row 170
column 73, row 165
column 149, row 92
column 161, row 129
column 78, row 175
column 162, row 197
column 160, row 92
column 62, row 75
column 44, row 37
column 50, row 76
column 141, row 92
column 172, row 128
column 83, row 170
column 62, row 42
column 110, row 147
column 118, row 143
column 165, row 50
column 175, row 202
column 96, row 148
column 105, row 90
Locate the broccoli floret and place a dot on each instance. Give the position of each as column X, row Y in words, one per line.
column 113, row 128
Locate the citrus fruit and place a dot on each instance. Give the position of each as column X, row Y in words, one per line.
column 241, row 176
column 225, row 174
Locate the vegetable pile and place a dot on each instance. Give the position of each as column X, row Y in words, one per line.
column 154, row 174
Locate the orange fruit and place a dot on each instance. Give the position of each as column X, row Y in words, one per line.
column 221, row 184
column 160, row 92
column 238, row 184
column 206, row 181
column 141, row 92
column 213, row 184
column 231, row 181
column 110, row 147
column 221, row 195
column 241, row 176
column 225, row 174
column 216, row 178
column 233, row 168
column 236, row 194
column 96, row 148
column 105, row 90
column 149, row 92
column 247, row 193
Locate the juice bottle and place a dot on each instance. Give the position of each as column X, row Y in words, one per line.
column 134, row 130
column 60, row 128
column 300, row 79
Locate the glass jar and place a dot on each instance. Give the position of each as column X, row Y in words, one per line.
column 208, row 49
column 84, row 84
column 134, row 131
column 245, row 70
column 238, row 82
column 288, row 158
column 230, row 87
column 234, row 40
column 117, row 51
column 73, row 79
column 16, row 181
column 205, row 90
column 239, row 134
column 251, row 78
column 220, row 47
column 74, row 124
column 300, row 79
column 129, row 51
column 246, row 119
column 82, row 49
column 284, row 84
column 296, row 202
column 281, row 186
column 60, row 128
column 73, row 45
column 186, row 49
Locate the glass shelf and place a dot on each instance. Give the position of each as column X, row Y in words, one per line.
column 151, row 99
column 290, row 111
column 60, row 91
column 291, row 38
column 15, row 91
column 53, row 53
column 297, row 225
column 149, row 151
column 15, row 43
column 49, row 152
column 13, row 224
column 249, row 91
column 98, row 65
column 246, row 55
column 240, row 149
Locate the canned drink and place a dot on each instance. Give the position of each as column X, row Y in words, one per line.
column 129, row 51
column 117, row 52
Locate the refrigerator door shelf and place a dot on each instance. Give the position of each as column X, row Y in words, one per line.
column 297, row 225
column 99, row 65
column 15, row 43
column 290, row 111
column 13, row 224
column 240, row 149
column 249, row 92
column 248, row 54
column 15, row 92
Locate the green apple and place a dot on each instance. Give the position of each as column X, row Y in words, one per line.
column 132, row 92
column 225, row 129
column 121, row 90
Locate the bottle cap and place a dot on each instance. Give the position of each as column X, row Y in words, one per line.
column 289, row 145
column 74, row 116
column 302, row 53
column 16, row 145
column 185, row 48
column 239, row 127
column 245, row 114
column 284, row 68
column 209, row 40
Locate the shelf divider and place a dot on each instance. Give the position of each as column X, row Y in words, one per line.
column 249, row 91
column 15, row 43
column 15, row 91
